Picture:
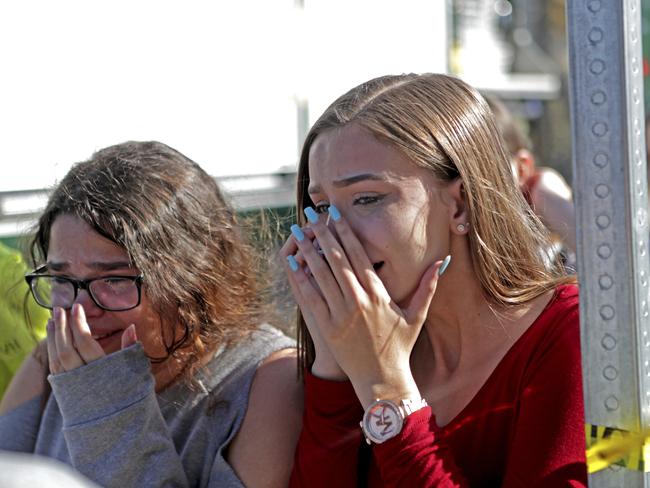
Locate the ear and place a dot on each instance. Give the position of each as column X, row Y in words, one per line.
column 525, row 166
column 458, row 211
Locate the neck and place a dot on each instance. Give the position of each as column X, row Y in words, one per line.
column 172, row 369
column 461, row 328
column 454, row 321
column 167, row 373
column 464, row 332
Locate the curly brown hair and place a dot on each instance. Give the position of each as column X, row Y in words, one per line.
column 172, row 220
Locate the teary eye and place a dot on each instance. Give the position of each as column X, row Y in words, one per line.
column 321, row 207
column 368, row 199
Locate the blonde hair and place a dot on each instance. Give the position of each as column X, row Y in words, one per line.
column 441, row 123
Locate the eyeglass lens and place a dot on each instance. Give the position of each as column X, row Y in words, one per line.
column 111, row 292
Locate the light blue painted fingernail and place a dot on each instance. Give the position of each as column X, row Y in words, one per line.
column 297, row 232
column 293, row 264
column 334, row 213
column 311, row 214
column 443, row 266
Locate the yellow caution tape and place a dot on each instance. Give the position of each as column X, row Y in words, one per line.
column 608, row 446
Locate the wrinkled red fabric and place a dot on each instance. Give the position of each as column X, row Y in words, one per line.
column 525, row 426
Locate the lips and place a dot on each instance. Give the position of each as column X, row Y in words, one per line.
column 97, row 337
column 108, row 339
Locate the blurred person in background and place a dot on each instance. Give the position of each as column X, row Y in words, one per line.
column 647, row 138
column 163, row 370
column 545, row 190
column 22, row 321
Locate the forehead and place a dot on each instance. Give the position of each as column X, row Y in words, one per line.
column 350, row 150
column 74, row 242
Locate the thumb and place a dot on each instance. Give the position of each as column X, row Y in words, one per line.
column 416, row 312
column 129, row 336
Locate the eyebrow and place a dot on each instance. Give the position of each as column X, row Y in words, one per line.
column 99, row 265
column 350, row 180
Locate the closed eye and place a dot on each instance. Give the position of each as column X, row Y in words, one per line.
column 116, row 282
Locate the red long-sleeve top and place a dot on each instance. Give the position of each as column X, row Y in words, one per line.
column 524, row 428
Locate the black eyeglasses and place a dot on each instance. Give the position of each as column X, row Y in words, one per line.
column 112, row 293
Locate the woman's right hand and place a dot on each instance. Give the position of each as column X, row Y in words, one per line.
column 70, row 343
column 325, row 366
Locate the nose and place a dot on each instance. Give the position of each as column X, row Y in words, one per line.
column 85, row 300
column 357, row 224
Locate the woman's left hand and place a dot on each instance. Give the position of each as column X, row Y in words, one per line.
column 370, row 336
column 70, row 343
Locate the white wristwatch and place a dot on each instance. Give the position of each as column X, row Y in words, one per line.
column 383, row 419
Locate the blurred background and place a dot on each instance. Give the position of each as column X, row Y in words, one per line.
column 236, row 85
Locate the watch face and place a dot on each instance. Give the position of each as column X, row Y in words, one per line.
column 382, row 421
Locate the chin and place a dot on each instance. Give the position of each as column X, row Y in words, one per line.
column 400, row 298
column 111, row 344
column 110, row 350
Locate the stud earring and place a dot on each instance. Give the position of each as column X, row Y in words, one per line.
column 462, row 227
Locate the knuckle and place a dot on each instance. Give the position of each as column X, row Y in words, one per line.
column 336, row 256
column 318, row 266
column 357, row 303
column 377, row 299
column 299, row 278
column 342, row 229
column 65, row 355
column 349, row 316
column 83, row 340
column 319, row 310
column 288, row 246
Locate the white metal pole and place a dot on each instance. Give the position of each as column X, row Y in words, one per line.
column 611, row 196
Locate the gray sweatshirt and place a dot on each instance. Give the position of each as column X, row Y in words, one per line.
column 106, row 421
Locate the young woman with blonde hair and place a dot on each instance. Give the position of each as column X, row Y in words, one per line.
column 430, row 313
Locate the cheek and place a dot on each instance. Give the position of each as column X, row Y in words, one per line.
column 148, row 329
column 407, row 228
column 150, row 334
column 377, row 230
column 401, row 232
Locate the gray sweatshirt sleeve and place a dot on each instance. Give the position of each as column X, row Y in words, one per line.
column 112, row 424
column 19, row 427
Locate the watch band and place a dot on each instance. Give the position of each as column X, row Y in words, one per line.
column 409, row 405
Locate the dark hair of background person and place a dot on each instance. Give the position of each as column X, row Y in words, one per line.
column 170, row 216
column 513, row 136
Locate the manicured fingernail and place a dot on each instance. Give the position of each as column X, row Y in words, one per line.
column 311, row 214
column 334, row 213
column 293, row 264
column 132, row 335
column 443, row 266
column 297, row 232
